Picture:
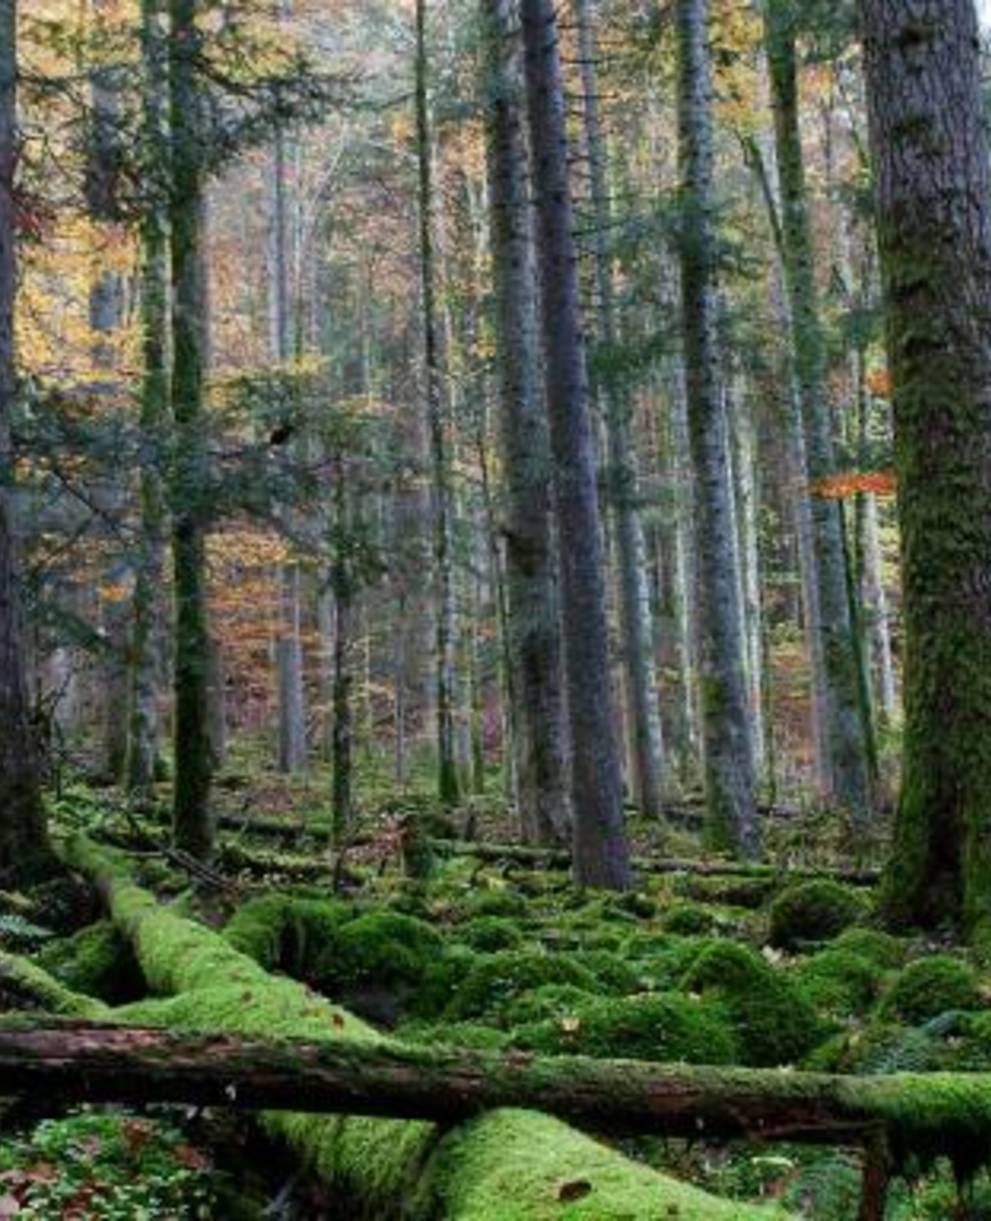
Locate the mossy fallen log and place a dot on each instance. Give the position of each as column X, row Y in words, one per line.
column 561, row 859
column 505, row 1165
column 23, row 982
column 89, row 1062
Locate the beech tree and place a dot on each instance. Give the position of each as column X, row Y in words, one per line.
column 933, row 194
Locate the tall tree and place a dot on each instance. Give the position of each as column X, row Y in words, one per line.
column 843, row 729
column 532, row 612
column 729, row 776
column 192, row 821
column 24, row 847
column 933, row 189
column 601, row 852
column 142, row 746
column 442, row 496
column 634, row 595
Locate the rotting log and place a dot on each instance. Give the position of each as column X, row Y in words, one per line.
column 102, row 1062
column 561, row 858
column 503, row 1165
column 26, row 982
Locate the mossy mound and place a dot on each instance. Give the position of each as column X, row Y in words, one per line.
column 733, row 892
column 612, row 973
column 663, row 958
column 664, row 1026
column 549, row 1002
column 931, row 986
column 690, row 919
column 494, row 902
column 839, row 982
column 882, row 949
column 473, row 1035
column 96, row 961
column 497, row 979
column 813, row 911
column 289, row 932
column 490, row 934
column 774, row 1022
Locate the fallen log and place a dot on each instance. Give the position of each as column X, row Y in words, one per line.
column 507, row 1163
column 24, row 982
column 560, row 858
column 101, row 1062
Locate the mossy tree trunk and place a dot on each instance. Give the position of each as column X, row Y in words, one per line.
column 142, row 741
column 24, row 849
column 729, row 774
column 531, row 613
column 601, row 853
column 933, row 189
column 192, row 821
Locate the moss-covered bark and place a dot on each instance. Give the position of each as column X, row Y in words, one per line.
column 502, row 1166
column 923, row 76
column 24, row 981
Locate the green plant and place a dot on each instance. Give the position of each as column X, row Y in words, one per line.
column 105, row 1166
column 931, row 986
column 814, row 911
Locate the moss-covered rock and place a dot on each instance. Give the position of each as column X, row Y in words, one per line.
column 882, row 949
column 774, row 1022
column 814, row 911
column 442, row 977
column 931, row 986
column 651, row 1026
column 497, row 979
column 839, row 982
column 96, row 961
column 289, row 932
column 491, row 933
column 386, row 947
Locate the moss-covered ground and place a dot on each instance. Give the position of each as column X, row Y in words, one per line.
column 494, row 954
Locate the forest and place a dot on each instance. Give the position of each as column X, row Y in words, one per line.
column 495, row 610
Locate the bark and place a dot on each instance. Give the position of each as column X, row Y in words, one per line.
column 24, row 849
column 531, row 612
column 192, row 821
column 143, row 726
column 343, row 586
column 844, row 730
column 91, row 1062
column 875, row 600
column 447, row 775
column 647, row 749
column 731, row 823
column 600, row 848
column 933, row 191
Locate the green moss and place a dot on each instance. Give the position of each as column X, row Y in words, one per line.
column 664, row 958
column 689, row 919
column 497, row 979
column 813, row 911
column 839, row 982
column 516, row 1166
column 442, row 977
column 505, row 1166
column 386, row 947
column 552, row 1001
column 24, row 985
column 288, row 932
column 734, row 892
column 491, row 933
column 612, row 973
column 495, row 903
column 474, row 1035
column 659, row 1026
column 98, row 961
column 882, row 949
column 774, row 1022
column 930, row 986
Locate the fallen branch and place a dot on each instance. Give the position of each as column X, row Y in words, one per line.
column 560, row 858
column 99, row 1062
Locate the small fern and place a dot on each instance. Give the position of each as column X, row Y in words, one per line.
column 18, row 933
column 917, row 1050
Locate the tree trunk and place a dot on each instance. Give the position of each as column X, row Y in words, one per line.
column 731, row 823
column 875, row 601
column 601, row 851
column 926, row 110
column 24, row 848
column 844, row 735
column 447, row 774
column 647, row 750
column 532, row 613
column 143, row 729
column 343, row 586
column 192, row 822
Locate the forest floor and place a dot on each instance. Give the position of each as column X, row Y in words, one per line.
column 496, row 954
